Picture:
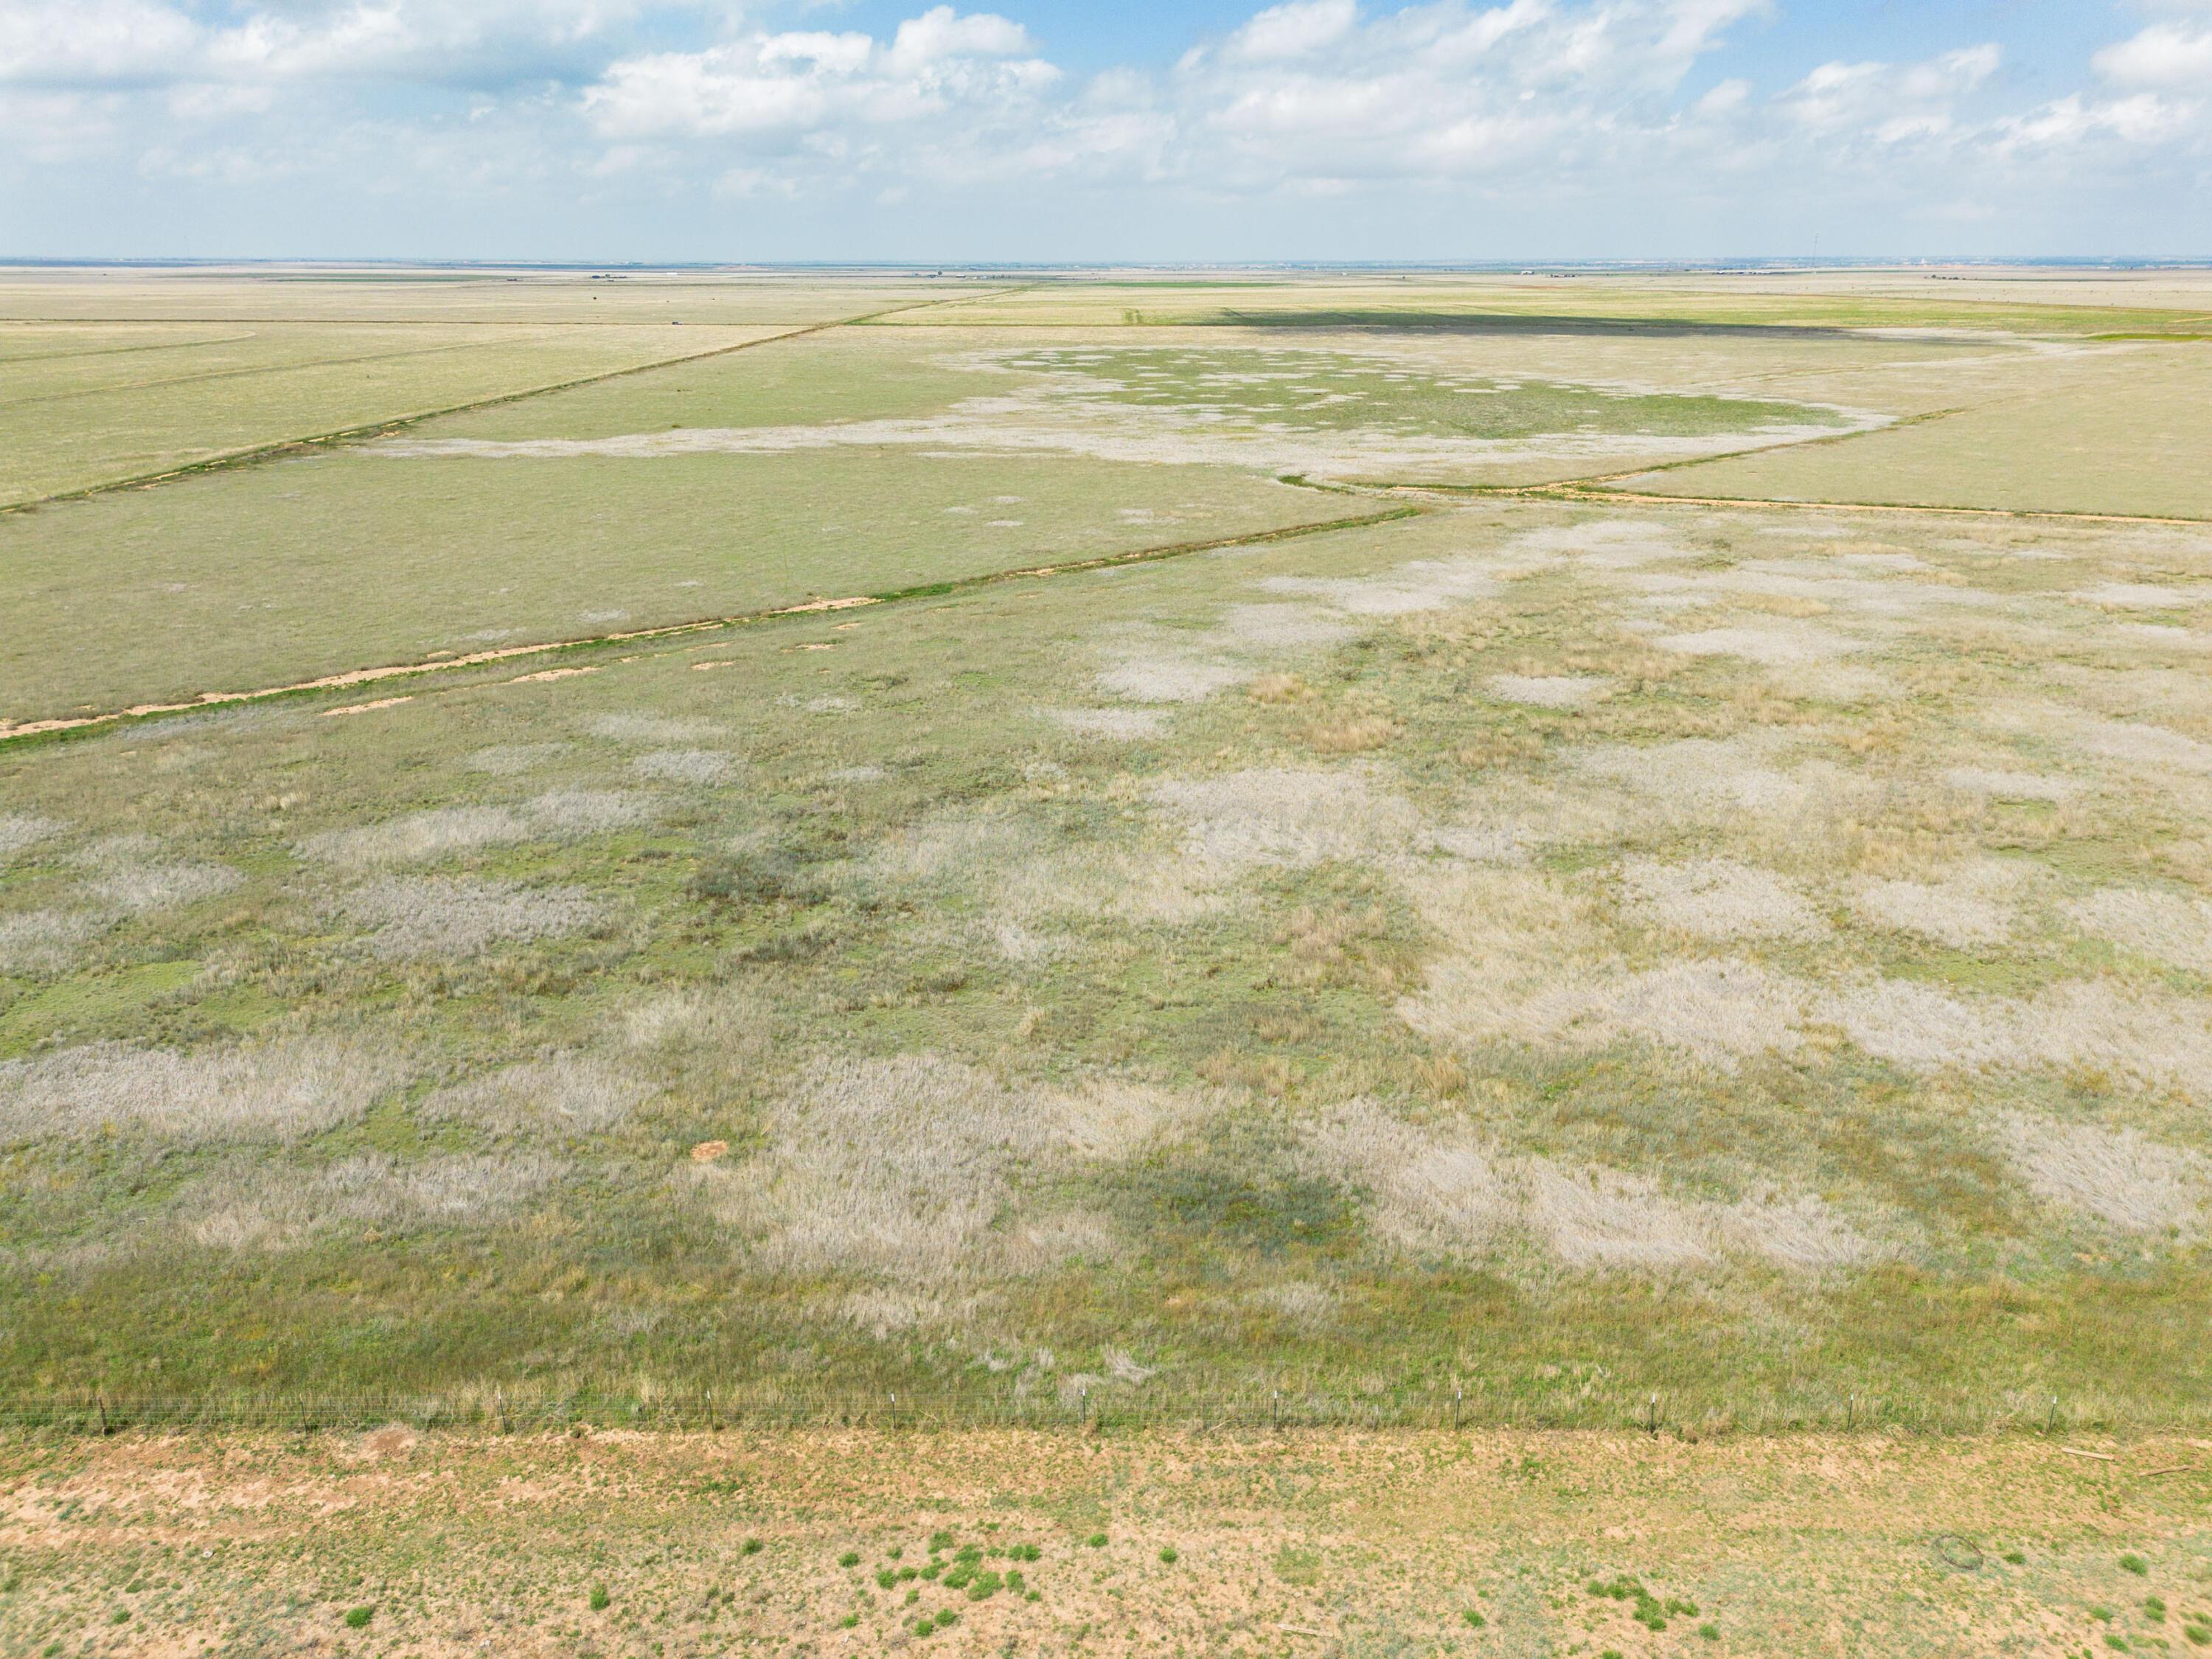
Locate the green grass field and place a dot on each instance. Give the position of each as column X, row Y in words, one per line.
column 1404, row 946
column 1536, row 952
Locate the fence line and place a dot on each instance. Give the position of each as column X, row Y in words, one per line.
column 97, row 1412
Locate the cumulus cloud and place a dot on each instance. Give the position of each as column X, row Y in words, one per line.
column 2176, row 57
column 1625, row 109
column 1889, row 102
column 809, row 80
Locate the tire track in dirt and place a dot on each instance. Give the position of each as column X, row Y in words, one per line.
column 13, row 733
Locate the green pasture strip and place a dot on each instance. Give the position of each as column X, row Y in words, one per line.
column 47, row 731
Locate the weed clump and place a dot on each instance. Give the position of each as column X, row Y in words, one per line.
column 358, row 1618
column 1168, row 1554
column 2135, row 1564
column 598, row 1598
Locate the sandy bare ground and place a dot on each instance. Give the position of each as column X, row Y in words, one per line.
column 1310, row 1543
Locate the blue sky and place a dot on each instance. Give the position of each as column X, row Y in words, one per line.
column 1368, row 130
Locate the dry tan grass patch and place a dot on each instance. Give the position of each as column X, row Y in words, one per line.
column 2122, row 1178
column 1278, row 687
column 1352, row 734
column 1116, row 725
column 900, row 1167
column 1276, row 816
column 20, row 831
column 1971, row 905
column 1551, row 691
column 560, row 1094
column 2165, row 926
column 1718, row 899
column 47, row 941
column 1446, row 1191
column 261, row 1210
column 285, row 1089
column 434, row 916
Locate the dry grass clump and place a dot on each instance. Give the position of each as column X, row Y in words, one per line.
column 948, row 848
column 509, row 760
column 45, row 941
column 1278, row 687
column 1352, row 734
column 20, row 831
column 2123, row 1178
column 1423, row 585
column 697, row 766
column 1528, row 961
column 1719, row 1013
column 287, row 1090
column 2139, row 595
column 1116, row 725
column 429, row 917
column 2165, row 926
column 589, row 811
column 1778, row 646
column 2127, row 741
column 130, row 875
column 1608, row 1220
column 2008, row 786
column 444, row 831
column 261, row 1209
column 1280, row 628
column 1278, row 816
column 2087, row 1027
column 1339, row 947
column 901, row 1167
column 1304, row 1303
column 162, row 885
column 1426, row 1193
column 1168, row 678
column 1505, row 843
column 1445, row 1192
column 1967, row 907
column 651, row 728
column 438, row 833
column 1718, row 899
column 895, row 1167
column 1167, row 890
column 1696, row 777
column 560, row 1094
column 1550, row 691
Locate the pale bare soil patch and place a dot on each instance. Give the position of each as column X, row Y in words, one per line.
column 1323, row 1542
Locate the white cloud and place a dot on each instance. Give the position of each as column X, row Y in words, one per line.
column 1297, row 30
column 794, row 83
column 2165, row 55
column 1312, row 112
column 1889, row 102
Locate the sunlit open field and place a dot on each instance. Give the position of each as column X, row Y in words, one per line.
column 1493, row 856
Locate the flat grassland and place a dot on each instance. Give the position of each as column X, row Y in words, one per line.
column 1533, row 854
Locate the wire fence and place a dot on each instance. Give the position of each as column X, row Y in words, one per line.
column 782, row 1407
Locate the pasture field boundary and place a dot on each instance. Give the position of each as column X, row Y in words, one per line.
column 392, row 425
column 1578, row 491
column 28, row 731
column 244, row 373
column 1593, row 491
column 1469, row 1407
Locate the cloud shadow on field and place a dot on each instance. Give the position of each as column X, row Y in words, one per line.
column 1523, row 323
